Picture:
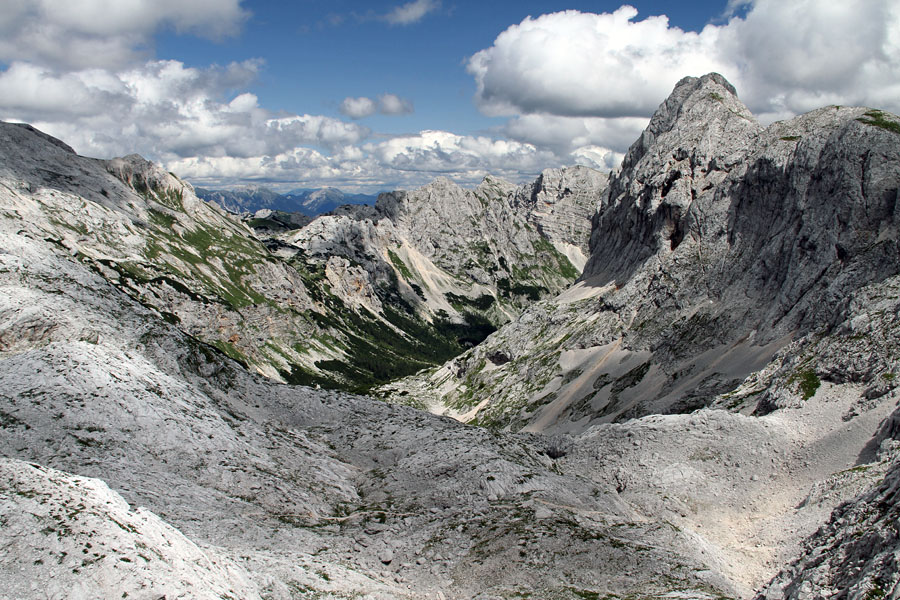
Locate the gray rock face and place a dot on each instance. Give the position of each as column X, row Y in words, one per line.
column 736, row 267
column 716, row 244
column 452, row 253
column 560, row 205
column 146, row 231
column 667, row 182
column 73, row 537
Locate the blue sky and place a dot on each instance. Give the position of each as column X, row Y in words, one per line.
column 318, row 53
column 389, row 94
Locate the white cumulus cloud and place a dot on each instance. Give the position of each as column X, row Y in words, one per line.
column 162, row 109
column 104, row 33
column 401, row 162
column 390, row 104
column 784, row 56
column 358, row 108
column 576, row 87
column 564, row 135
column 792, row 57
column 588, row 65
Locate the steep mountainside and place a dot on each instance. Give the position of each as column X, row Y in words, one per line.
column 219, row 483
column 289, row 315
column 559, row 204
column 717, row 245
column 455, row 255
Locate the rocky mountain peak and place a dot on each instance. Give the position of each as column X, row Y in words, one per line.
column 327, row 193
column 693, row 141
column 560, row 204
column 494, row 186
column 43, row 136
column 698, row 109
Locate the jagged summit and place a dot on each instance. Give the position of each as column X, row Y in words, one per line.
column 692, row 142
column 699, row 112
column 717, row 244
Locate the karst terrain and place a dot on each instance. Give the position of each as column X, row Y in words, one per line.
column 677, row 380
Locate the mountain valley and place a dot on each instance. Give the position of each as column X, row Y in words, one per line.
column 674, row 381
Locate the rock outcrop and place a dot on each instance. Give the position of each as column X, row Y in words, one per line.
column 718, row 244
column 455, row 254
column 73, row 537
column 560, row 204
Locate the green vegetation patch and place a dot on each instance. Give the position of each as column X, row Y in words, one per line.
column 878, row 118
column 376, row 352
column 790, row 138
column 564, row 266
column 239, row 258
column 399, row 264
column 265, row 224
column 532, row 292
column 170, row 198
column 483, row 302
column 161, row 219
column 229, row 350
column 807, row 382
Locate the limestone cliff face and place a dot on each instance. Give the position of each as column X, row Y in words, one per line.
column 717, row 244
column 560, row 204
column 461, row 254
column 693, row 142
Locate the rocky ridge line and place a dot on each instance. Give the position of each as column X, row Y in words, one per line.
column 284, row 314
column 717, row 244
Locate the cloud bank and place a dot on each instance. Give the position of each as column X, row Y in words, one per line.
column 62, row 34
column 572, row 88
column 404, row 161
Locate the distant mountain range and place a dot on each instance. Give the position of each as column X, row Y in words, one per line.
column 311, row 202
